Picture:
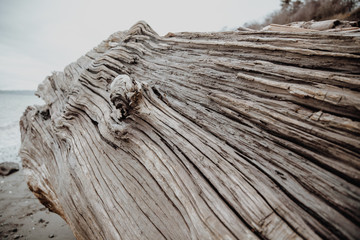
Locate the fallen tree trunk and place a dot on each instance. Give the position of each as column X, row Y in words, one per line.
column 235, row 135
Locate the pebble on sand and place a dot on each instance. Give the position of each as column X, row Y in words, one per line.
column 7, row 168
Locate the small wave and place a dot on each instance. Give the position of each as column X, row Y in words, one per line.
column 10, row 154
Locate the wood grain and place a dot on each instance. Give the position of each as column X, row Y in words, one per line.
column 228, row 135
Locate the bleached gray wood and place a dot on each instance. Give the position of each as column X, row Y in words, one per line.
column 235, row 135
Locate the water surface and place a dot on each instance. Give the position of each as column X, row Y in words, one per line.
column 12, row 106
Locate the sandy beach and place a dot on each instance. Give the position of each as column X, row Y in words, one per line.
column 22, row 216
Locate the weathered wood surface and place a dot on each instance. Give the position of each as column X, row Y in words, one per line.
column 235, row 135
column 333, row 25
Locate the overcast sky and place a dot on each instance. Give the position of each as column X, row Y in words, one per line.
column 41, row 36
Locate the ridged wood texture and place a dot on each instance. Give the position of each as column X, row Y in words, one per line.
column 227, row 135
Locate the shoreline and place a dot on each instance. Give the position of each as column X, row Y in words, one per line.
column 22, row 216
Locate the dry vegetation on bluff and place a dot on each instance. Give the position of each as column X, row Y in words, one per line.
column 307, row 10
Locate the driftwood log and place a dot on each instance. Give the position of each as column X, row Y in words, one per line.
column 313, row 26
column 231, row 135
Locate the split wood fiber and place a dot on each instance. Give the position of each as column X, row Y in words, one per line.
column 227, row 135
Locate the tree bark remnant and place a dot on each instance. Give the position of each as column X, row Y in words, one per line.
column 228, row 135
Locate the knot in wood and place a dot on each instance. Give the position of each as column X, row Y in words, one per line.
column 124, row 94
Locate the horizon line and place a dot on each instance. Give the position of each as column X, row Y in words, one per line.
column 17, row 90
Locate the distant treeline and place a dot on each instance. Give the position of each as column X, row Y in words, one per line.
column 307, row 10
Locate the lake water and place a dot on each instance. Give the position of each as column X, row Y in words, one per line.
column 12, row 106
